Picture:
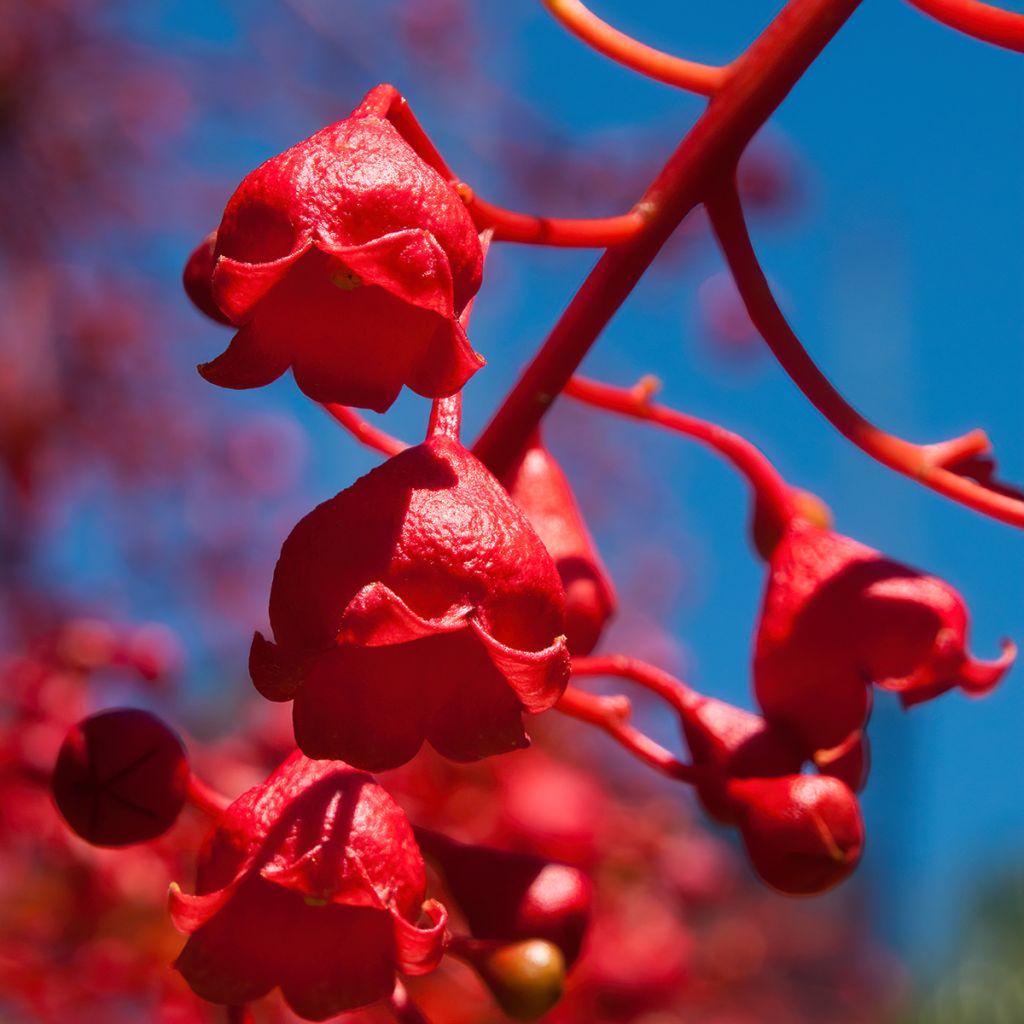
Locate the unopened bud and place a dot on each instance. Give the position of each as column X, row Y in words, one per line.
column 121, row 777
column 526, row 978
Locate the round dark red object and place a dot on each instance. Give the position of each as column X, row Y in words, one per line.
column 121, row 777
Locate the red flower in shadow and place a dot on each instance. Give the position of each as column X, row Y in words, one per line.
column 311, row 882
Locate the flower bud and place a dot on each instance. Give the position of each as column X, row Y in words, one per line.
column 526, row 978
column 121, row 777
column 539, row 487
column 803, row 833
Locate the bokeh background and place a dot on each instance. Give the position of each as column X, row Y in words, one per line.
column 886, row 205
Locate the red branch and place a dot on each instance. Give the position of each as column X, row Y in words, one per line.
column 756, row 84
column 768, row 484
column 703, row 79
column 980, row 21
column 926, row 463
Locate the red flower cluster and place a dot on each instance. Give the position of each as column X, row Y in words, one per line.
column 416, row 605
column 349, row 259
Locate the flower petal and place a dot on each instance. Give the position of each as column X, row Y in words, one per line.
column 445, row 363
column 276, row 672
column 420, row 949
column 377, row 616
column 538, row 678
column 237, row 286
column 411, row 265
column 251, row 360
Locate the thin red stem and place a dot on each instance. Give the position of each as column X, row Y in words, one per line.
column 405, row 1011
column 704, row 79
column 758, row 82
column 387, row 101
column 659, row 682
column 768, row 484
column 611, row 714
column 925, row 463
column 981, row 21
column 205, row 798
column 509, row 226
column 373, row 437
column 446, row 417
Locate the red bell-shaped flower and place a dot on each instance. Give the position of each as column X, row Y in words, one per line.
column 539, row 487
column 509, row 896
column 417, row 604
column 349, row 259
column 838, row 616
column 311, row 882
column 121, row 777
column 803, row 833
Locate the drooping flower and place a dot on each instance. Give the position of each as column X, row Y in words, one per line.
column 803, row 833
column 539, row 487
column 311, row 882
column 121, row 777
column 349, row 259
column 417, row 604
column 839, row 616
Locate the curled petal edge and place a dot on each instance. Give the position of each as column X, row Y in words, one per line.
column 276, row 672
column 190, row 912
column 538, row 678
column 409, row 264
column 238, row 286
column 378, row 617
column 420, row 949
column 974, row 676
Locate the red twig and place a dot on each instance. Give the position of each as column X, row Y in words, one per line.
column 768, row 484
column 758, row 82
column 981, row 21
column 659, row 682
column 373, row 437
column 508, row 226
column 611, row 714
column 387, row 101
column 925, row 463
column 704, row 79
column 205, row 798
